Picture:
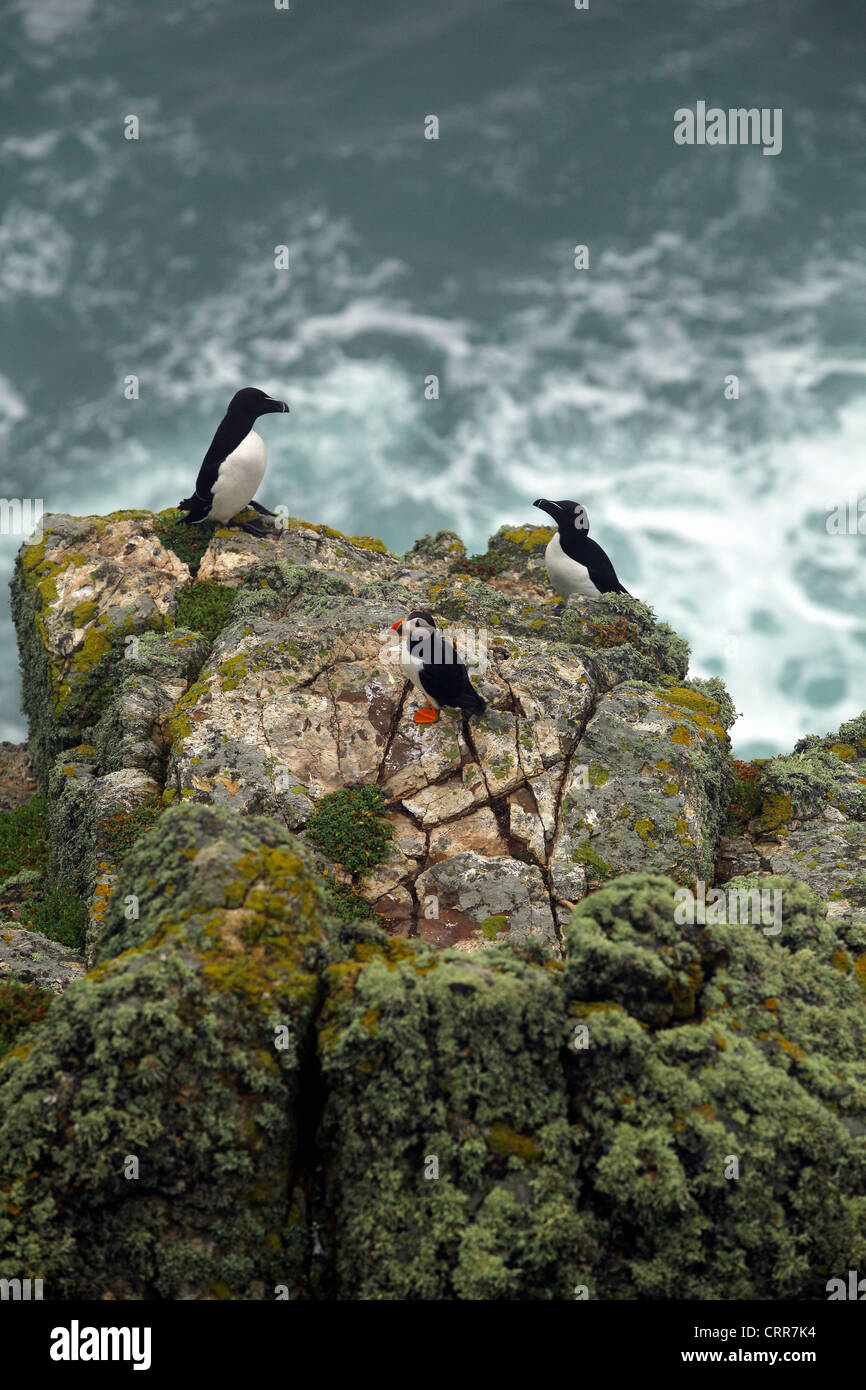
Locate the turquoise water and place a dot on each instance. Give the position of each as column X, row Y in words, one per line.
column 411, row 257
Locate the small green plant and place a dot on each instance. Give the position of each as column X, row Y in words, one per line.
column 480, row 566
column 120, row 831
column 347, row 903
column 597, row 869
column 20, row 1007
column 205, row 607
column 350, row 827
column 746, row 797
column 58, row 914
column 188, row 542
column 24, row 836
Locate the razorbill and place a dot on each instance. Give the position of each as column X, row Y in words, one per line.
column 235, row 463
column 431, row 664
column 575, row 564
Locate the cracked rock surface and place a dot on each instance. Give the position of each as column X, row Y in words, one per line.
column 595, row 754
column 489, row 1061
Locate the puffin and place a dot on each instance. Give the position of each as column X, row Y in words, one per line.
column 431, row 664
column 235, row 463
column 575, row 564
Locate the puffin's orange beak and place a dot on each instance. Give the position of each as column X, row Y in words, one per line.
column 395, row 627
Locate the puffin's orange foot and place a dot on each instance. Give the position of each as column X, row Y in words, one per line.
column 425, row 716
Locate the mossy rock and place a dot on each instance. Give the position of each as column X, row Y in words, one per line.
column 511, row 548
column 205, row 606
column 21, row 1007
column 24, row 836
column 471, row 1190
column 189, row 541
column 181, row 1051
column 628, row 641
column 78, row 595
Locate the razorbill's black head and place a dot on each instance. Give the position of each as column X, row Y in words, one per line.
column 251, row 402
column 432, row 665
column 235, row 463
column 575, row 564
column 565, row 514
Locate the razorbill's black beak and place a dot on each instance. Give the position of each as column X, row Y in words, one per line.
column 274, row 407
column 545, row 506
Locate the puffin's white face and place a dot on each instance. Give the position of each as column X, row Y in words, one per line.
column 414, row 628
column 416, row 636
column 581, row 520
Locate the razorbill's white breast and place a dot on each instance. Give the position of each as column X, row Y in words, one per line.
column 575, row 564
column 235, row 463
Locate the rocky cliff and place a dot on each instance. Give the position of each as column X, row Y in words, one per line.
column 375, row 1009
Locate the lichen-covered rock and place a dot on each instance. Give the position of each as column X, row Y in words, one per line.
column 149, row 1131
column 442, row 553
column 804, row 815
column 17, row 782
column 292, row 691
column 585, row 1091
column 93, row 822
column 475, row 899
column 648, row 785
column 470, row 1187
column 77, row 594
column 35, row 960
column 513, row 563
column 134, row 730
column 603, row 1127
column 302, row 695
column 717, row 1078
column 231, row 554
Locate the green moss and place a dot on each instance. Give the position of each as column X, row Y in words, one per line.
column 350, row 827
column 745, row 801
column 596, row 867
column 85, row 612
column 205, row 606
column 492, row 926
column 443, row 544
column 118, row 833
column 705, row 713
column 530, row 538
column 24, row 836
column 370, row 543
column 58, row 913
column 189, row 542
column 691, row 700
column 506, row 1143
column 20, row 1007
column 630, row 640
column 645, row 828
column 168, row 1048
column 509, row 548
column 347, row 903
column 776, row 812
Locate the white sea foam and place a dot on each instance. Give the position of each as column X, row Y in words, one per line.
column 606, row 386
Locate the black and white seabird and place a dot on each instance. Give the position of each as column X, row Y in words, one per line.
column 431, row 664
column 575, row 564
column 235, row 463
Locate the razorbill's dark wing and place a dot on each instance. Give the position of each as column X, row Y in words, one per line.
column 600, row 569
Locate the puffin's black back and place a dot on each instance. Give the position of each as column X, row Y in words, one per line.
column 442, row 675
